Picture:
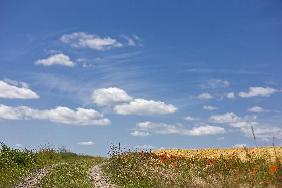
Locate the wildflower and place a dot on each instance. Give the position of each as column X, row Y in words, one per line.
column 210, row 161
column 273, row 169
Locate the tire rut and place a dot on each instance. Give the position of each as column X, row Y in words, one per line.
column 32, row 180
column 99, row 180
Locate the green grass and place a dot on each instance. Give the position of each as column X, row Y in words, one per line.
column 72, row 173
column 16, row 164
column 146, row 169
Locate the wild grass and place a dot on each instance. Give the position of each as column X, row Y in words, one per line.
column 72, row 173
column 16, row 164
column 166, row 169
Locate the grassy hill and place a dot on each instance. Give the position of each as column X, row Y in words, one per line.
column 70, row 170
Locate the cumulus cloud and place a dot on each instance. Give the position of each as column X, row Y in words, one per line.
column 56, row 59
column 123, row 104
column 215, row 83
column 60, row 114
column 230, row 95
column 92, row 41
column 206, row 107
column 228, row 117
column 18, row 90
column 110, row 96
column 256, row 109
column 205, row 96
column 258, row 91
column 144, row 107
column 148, row 128
column 139, row 133
column 206, row 130
column 86, row 143
column 239, row 146
column 189, row 118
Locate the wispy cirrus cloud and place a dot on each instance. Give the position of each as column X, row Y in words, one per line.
column 93, row 41
column 215, row 84
column 56, row 59
column 210, row 108
column 262, row 131
column 16, row 90
column 60, row 114
column 149, row 128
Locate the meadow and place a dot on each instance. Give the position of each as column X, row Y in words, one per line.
column 230, row 167
column 245, row 167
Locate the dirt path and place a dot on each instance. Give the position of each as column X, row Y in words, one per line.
column 98, row 179
column 32, row 180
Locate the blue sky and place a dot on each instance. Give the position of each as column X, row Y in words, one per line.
column 150, row 74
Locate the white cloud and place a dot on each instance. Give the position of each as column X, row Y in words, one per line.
column 256, row 109
column 144, row 107
column 244, row 124
column 56, row 59
column 85, row 40
column 139, row 133
column 16, row 91
column 258, row 91
column 263, row 132
column 144, row 147
column 86, row 143
column 228, row 117
column 205, row 96
column 216, row 83
column 239, row 146
column 149, row 128
column 123, row 104
column 189, row 118
column 206, row 107
column 80, row 116
column 110, row 96
column 230, row 95
column 206, row 130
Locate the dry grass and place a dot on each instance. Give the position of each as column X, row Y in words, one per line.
column 271, row 153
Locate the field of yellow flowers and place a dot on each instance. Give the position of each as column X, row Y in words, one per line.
column 244, row 167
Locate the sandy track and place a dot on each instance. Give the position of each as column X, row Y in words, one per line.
column 98, row 179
